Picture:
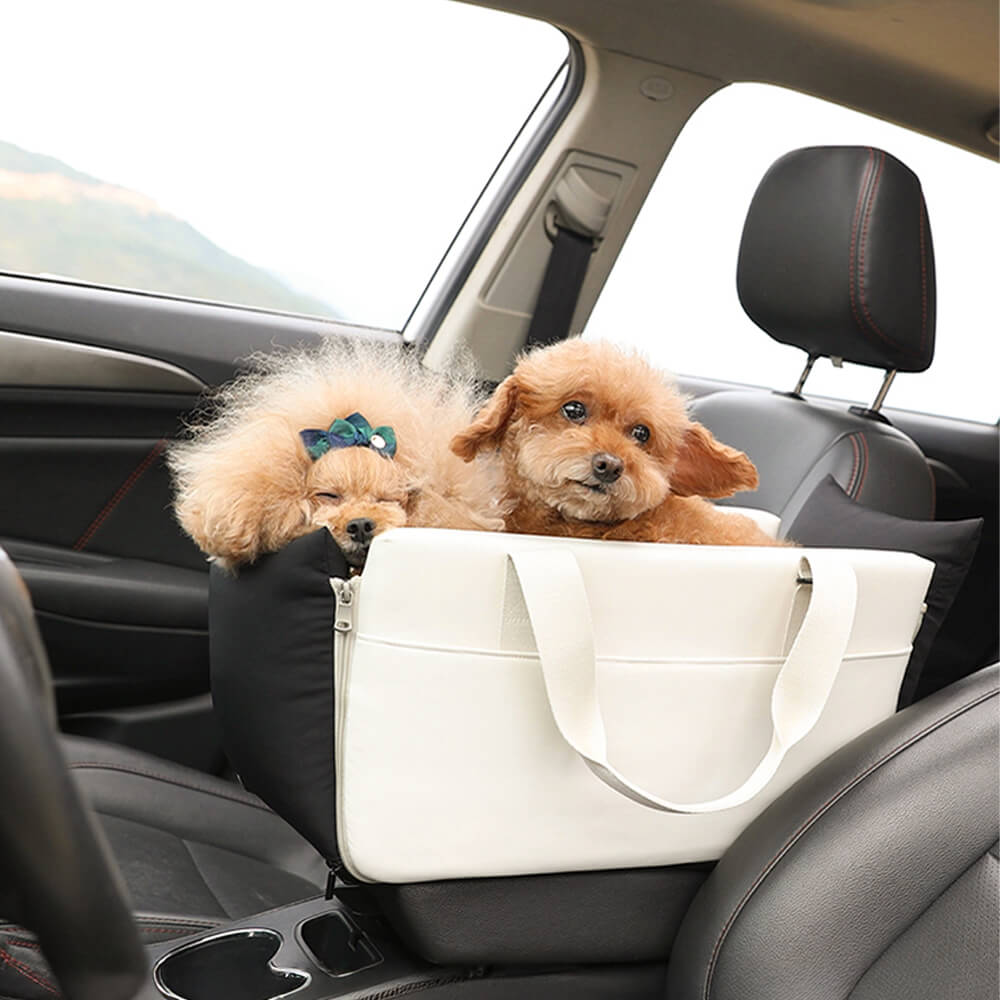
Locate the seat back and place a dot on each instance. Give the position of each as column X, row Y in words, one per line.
column 873, row 878
column 797, row 443
column 836, row 259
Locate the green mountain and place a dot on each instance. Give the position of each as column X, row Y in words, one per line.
column 56, row 220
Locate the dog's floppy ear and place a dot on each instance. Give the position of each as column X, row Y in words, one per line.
column 487, row 430
column 708, row 468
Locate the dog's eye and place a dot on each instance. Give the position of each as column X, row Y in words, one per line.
column 641, row 433
column 574, row 410
column 327, row 496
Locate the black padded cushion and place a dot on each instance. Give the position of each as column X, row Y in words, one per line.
column 271, row 641
column 627, row 915
column 836, row 258
column 830, row 518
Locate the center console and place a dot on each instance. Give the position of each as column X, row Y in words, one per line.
column 323, row 949
column 314, row 950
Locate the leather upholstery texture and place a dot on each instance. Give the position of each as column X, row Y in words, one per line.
column 874, row 876
column 194, row 852
column 796, row 443
column 836, row 258
column 191, row 845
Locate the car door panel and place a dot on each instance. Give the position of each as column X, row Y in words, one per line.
column 122, row 631
column 107, row 495
column 206, row 340
column 120, row 593
column 94, row 384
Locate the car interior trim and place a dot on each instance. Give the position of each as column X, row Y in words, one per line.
column 902, row 64
column 41, row 361
column 299, row 978
column 205, row 339
column 604, row 117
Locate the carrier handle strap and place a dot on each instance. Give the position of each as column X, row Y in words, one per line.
column 554, row 595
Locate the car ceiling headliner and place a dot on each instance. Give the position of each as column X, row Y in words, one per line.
column 931, row 65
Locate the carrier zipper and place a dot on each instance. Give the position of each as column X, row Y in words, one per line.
column 344, row 592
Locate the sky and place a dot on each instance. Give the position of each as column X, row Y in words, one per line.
column 310, row 137
column 314, row 139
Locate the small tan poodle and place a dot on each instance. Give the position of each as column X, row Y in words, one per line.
column 353, row 436
column 596, row 443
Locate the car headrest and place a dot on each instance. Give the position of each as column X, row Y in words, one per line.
column 836, row 258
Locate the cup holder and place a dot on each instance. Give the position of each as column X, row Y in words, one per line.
column 336, row 945
column 235, row 965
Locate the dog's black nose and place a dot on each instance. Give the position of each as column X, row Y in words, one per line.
column 361, row 530
column 607, row 468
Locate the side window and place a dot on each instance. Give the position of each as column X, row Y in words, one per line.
column 673, row 290
column 310, row 157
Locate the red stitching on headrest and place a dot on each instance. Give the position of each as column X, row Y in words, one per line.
column 902, row 348
column 854, row 232
column 923, row 282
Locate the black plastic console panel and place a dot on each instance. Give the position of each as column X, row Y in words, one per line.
column 269, row 955
column 272, row 950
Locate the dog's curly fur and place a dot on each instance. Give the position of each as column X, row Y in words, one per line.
column 245, row 485
column 551, row 462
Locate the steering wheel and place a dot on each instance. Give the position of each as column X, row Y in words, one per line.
column 55, row 869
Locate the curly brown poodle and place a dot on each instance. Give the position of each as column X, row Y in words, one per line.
column 596, row 443
column 247, row 482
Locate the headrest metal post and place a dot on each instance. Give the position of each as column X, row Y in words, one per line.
column 797, row 391
column 886, row 382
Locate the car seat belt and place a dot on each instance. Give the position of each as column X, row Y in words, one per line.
column 557, row 298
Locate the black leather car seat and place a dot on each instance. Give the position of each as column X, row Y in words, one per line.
column 835, row 259
column 875, row 877
column 194, row 851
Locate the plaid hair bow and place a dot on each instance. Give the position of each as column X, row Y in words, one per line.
column 354, row 431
